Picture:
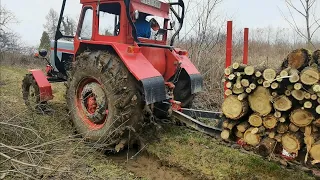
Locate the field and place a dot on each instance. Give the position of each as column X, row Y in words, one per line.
column 45, row 146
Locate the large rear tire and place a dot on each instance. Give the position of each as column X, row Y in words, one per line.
column 103, row 99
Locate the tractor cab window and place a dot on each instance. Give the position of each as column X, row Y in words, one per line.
column 109, row 19
column 86, row 27
column 145, row 26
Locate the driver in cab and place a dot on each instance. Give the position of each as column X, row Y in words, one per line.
column 144, row 27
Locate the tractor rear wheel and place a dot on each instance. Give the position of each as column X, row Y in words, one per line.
column 103, row 99
column 31, row 94
column 182, row 93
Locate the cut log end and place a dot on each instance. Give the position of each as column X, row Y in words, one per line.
column 251, row 139
column 309, row 76
column 249, row 70
column 269, row 74
column 233, row 108
column 291, row 142
column 301, row 117
column 270, row 122
column 259, row 101
column 255, row 120
column 298, row 95
column 282, row 103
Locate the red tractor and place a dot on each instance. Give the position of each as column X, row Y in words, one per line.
column 115, row 77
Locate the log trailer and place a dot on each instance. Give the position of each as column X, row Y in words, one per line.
column 116, row 80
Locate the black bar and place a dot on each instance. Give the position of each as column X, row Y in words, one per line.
column 155, row 46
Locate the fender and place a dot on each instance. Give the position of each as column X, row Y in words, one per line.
column 152, row 81
column 45, row 89
column 180, row 57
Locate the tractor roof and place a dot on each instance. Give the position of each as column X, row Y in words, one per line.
column 154, row 7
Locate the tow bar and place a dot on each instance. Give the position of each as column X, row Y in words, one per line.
column 189, row 118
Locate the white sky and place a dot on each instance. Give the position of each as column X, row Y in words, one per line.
column 244, row 13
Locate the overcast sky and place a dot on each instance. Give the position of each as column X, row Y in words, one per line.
column 244, row 13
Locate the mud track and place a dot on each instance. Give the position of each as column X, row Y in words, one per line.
column 146, row 166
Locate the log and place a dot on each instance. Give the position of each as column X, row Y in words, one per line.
column 307, row 95
column 282, row 128
column 252, row 86
column 282, row 103
column 235, row 65
column 249, row 70
column 277, row 114
column 229, row 85
column 225, row 123
column 238, row 83
column 283, row 118
column 301, row 117
column 316, row 56
column 294, row 77
column 234, row 109
column 292, row 142
column 293, row 128
column 231, row 77
column 274, row 94
column 270, row 121
column 269, row 74
column 316, row 122
column 260, row 81
column 259, row 101
column 225, row 134
column 231, row 124
column 258, row 74
column 279, row 78
column 242, row 96
column 316, row 88
column 228, row 92
column 251, row 139
column 258, row 130
column 307, row 104
column 239, row 134
column 287, row 92
column 274, row 85
column 228, row 71
column 318, row 109
column 308, row 140
column 315, row 151
column 314, row 97
column 298, row 94
column 297, row 86
column 245, row 82
column 266, row 146
column 284, row 73
column 272, row 134
column 297, row 59
column 278, row 137
column 242, row 127
column 236, row 90
column 248, row 90
column 266, row 84
column 309, row 76
column 255, row 120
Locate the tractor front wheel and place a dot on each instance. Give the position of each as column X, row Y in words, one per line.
column 103, row 99
column 31, row 94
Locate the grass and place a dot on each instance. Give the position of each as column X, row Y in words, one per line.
column 191, row 152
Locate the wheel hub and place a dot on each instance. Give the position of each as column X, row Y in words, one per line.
column 92, row 101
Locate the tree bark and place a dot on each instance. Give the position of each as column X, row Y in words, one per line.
column 266, row 146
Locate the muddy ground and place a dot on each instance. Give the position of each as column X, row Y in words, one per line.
column 57, row 153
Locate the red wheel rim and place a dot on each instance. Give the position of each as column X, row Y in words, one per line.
column 91, row 103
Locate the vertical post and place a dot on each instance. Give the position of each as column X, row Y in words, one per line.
column 229, row 44
column 246, row 46
column 228, row 48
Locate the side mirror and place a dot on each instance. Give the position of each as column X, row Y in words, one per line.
column 43, row 53
column 172, row 24
column 154, row 24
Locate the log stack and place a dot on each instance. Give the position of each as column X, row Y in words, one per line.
column 272, row 109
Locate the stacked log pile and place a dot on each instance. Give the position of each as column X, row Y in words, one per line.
column 272, row 109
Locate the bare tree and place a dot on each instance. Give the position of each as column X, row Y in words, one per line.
column 307, row 9
column 8, row 39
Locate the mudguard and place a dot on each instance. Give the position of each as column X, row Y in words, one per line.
column 45, row 89
column 152, row 81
